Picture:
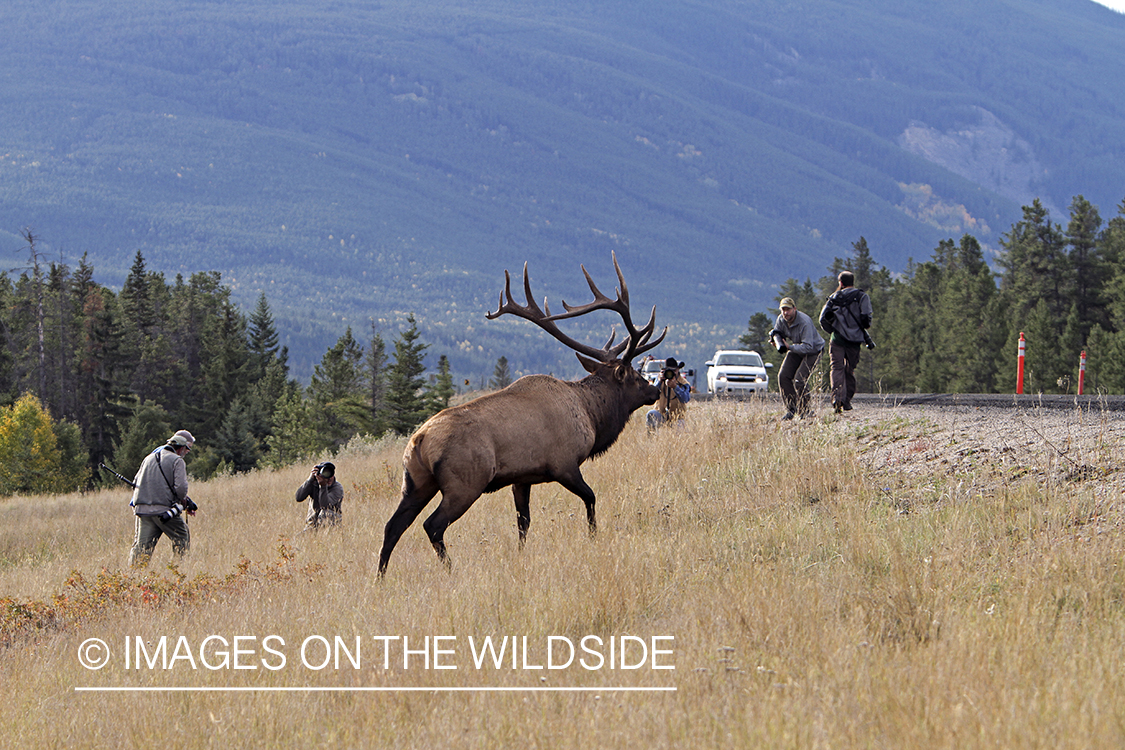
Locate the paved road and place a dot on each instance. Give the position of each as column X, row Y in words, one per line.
column 991, row 400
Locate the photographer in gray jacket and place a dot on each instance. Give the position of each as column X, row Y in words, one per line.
column 327, row 496
column 795, row 336
column 160, row 499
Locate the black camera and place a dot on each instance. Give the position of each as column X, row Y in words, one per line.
column 669, row 373
column 778, row 341
column 867, row 340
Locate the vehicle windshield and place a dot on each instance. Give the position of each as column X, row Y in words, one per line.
column 741, row 359
column 654, row 365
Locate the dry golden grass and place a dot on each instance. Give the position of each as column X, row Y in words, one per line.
column 808, row 609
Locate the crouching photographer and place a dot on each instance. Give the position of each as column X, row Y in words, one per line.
column 160, row 497
column 795, row 336
column 675, row 392
column 327, row 496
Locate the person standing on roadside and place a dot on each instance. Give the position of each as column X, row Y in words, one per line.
column 846, row 316
column 795, row 336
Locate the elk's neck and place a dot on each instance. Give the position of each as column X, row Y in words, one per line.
column 609, row 408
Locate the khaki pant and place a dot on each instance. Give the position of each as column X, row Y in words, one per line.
column 844, row 357
column 149, row 529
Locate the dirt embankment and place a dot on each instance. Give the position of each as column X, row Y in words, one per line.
column 991, row 446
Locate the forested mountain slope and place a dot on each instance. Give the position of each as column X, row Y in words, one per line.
column 359, row 161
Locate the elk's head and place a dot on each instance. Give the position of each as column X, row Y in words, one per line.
column 612, row 361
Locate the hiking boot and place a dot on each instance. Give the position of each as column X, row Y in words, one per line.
column 847, row 406
column 837, row 408
column 789, row 415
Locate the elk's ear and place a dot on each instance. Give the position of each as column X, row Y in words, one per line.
column 591, row 365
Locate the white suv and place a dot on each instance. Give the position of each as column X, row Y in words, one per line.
column 737, row 371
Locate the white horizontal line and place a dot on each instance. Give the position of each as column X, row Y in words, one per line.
column 375, row 689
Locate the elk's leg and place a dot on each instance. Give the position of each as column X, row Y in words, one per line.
column 454, row 502
column 522, row 495
column 576, row 484
column 414, row 498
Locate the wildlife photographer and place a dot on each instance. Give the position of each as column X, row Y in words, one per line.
column 795, row 336
column 160, row 499
column 327, row 496
column 675, row 392
column 846, row 316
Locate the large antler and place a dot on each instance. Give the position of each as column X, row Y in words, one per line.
column 636, row 343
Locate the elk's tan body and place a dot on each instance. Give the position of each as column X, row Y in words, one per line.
column 538, row 429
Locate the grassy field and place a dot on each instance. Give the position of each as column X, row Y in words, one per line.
column 768, row 563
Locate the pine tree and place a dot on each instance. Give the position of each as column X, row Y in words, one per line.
column 262, row 338
column 1035, row 265
column 376, row 367
column 406, row 403
column 501, row 375
column 8, row 388
column 806, row 296
column 293, row 437
column 442, row 390
column 1090, row 270
column 235, row 443
column 148, row 428
column 339, row 393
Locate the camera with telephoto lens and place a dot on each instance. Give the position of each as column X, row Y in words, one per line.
column 669, row 373
column 178, row 508
column 867, row 340
column 778, row 341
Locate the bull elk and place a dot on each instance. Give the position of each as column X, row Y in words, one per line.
column 538, row 429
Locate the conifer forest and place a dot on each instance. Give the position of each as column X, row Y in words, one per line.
column 92, row 376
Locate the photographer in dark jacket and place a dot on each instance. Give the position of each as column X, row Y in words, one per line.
column 327, row 496
column 847, row 316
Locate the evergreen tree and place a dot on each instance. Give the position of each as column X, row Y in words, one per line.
column 970, row 320
column 757, row 336
column 263, row 339
column 442, row 391
column 1090, row 270
column 1037, row 272
column 8, row 388
column 339, row 394
column 806, row 296
column 1105, row 353
column 101, row 385
column 406, row 403
column 147, row 429
column 74, row 459
column 293, row 437
column 235, row 443
column 501, row 375
column 1044, row 363
column 377, row 377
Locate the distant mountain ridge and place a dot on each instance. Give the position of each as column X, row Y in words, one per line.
column 360, row 161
